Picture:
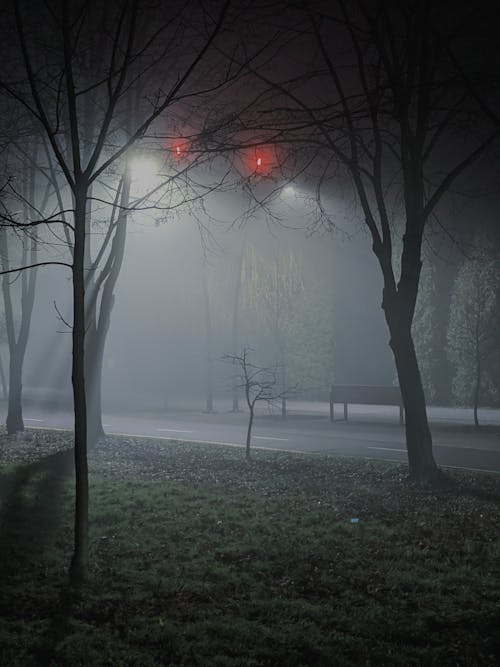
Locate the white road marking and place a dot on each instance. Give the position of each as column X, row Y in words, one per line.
column 495, row 472
column 387, row 449
column 33, row 420
column 269, row 437
column 173, row 430
column 452, row 446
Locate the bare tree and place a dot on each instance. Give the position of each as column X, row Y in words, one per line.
column 17, row 340
column 159, row 46
column 23, row 244
column 377, row 100
column 259, row 383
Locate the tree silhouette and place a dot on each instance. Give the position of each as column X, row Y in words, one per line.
column 378, row 100
column 259, row 383
column 76, row 71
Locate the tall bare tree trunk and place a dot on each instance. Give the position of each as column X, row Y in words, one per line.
column 399, row 307
column 93, row 380
column 249, row 431
column 3, row 380
column 17, row 342
column 14, row 421
column 79, row 561
column 93, row 356
column 101, row 318
column 422, row 466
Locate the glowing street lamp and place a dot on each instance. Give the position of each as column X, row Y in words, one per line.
column 289, row 191
column 143, row 172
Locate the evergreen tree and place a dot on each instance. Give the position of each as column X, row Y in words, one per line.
column 473, row 330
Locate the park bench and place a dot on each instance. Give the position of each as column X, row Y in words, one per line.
column 365, row 395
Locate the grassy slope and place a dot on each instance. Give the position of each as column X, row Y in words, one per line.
column 201, row 559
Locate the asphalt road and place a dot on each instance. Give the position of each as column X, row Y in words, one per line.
column 371, row 432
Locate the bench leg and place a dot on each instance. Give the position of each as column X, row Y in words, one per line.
column 345, row 411
column 401, row 415
column 331, row 410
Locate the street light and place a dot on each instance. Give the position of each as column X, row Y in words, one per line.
column 144, row 173
column 289, row 191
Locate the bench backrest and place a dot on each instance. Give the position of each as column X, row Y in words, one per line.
column 365, row 394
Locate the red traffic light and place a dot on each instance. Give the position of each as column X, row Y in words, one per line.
column 258, row 161
column 179, row 148
column 264, row 160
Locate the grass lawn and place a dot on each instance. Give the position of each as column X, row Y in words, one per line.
column 200, row 559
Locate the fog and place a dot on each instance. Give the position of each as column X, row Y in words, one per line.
column 156, row 352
